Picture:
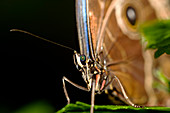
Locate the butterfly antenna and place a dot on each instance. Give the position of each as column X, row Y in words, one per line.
column 26, row 32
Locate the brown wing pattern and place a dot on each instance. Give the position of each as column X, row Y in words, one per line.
column 120, row 40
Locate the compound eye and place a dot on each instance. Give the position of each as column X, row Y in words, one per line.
column 83, row 59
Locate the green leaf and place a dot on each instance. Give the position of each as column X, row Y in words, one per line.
column 80, row 107
column 162, row 50
column 157, row 36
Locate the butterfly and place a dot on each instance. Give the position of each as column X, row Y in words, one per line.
column 104, row 51
column 111, row 49
column 111, row 56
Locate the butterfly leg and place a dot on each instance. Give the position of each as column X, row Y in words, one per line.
column 92, row 97
column 116, row 63
column 74, row 84
column 125, row 95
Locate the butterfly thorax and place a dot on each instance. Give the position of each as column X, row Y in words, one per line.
column 91, row 70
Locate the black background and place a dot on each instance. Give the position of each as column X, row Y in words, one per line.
column 31, row 69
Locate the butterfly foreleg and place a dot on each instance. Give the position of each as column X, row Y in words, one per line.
column 124, row 93
column 74, row 84
column 116, row 63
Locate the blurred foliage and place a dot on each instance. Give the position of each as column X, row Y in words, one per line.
column 36, row 107
column 80, row 107
column 157, row 35
column 164, row 83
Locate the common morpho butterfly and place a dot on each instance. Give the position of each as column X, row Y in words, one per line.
column 111, row 56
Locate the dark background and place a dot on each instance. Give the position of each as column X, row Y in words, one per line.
column 31, row 69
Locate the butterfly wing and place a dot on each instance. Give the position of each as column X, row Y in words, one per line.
column 120, row 40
